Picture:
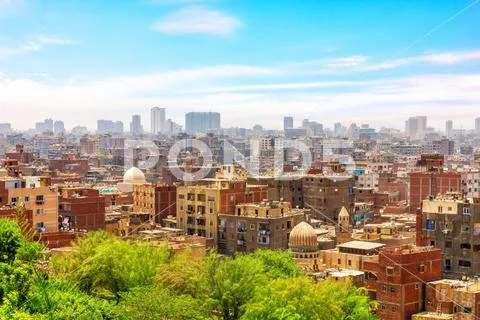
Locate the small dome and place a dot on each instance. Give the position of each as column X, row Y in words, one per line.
column 303, row 238
column 344, row 213
column 134, row 176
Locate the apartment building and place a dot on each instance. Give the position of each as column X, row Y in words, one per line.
column 198, row 206
column 422, row 185
column 451, row 222
column 81, row 208
column 41, row 199
column 158, row 201
column 261, row 225
column 327, row 195
column 397, row 280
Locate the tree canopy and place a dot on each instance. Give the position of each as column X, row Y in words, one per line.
column 103, row 277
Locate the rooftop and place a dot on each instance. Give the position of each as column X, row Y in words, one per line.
column 362, row 245
column 432, row 315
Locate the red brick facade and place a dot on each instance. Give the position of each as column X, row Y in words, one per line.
column 425, row 184
column 398, row 279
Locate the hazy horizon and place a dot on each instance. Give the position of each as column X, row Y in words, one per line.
column 254, row 62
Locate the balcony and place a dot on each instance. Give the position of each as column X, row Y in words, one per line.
column 264, row 232
column 39, row 202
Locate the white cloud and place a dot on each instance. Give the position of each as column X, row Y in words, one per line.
column 36, row 43
column 359, row 63
column 246, row 94
column 197, row 20
column 54, row 40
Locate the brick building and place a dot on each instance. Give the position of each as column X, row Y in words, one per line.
column 159, row 201
column 266, row 224
column 425, row 184
column 81, row 209
column 69, row 163
column 397, row 280
column 326, row 195
column 20, row 154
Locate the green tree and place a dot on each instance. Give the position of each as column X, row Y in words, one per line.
column 10, row 240
column 62, row 300
column 277, row 263
column 102, row 263
column 300, row 298
column 158, row 303
column 231, row 284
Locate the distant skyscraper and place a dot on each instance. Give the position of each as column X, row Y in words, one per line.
column 5, row 128
column 477, row 126
column 287, row 123
column 136, row 125
column 257, row 130
column 157, row 120
column 48, row 125
column 415, row 127
column 118, row 127
column 201, row 121
column 448, row 128
column 338, row 129
column 59, row 127
column 104, row 126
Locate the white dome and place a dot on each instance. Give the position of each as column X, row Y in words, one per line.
column 134, row 176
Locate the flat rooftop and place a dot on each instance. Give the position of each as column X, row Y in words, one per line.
column 362, row 245
column 432, row 315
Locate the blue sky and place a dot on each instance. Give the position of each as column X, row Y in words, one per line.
column 253, row 61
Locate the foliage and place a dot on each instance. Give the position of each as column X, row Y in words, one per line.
column 103, row 277
column 101, row 262
column 301, row 298
column 10, row 240
column 158, row 303
column 59, row 299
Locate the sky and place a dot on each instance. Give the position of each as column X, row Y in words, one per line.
column 375, row 62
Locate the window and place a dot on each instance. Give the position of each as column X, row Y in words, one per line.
column 464, row 263
column 417, row 286
column 26, row 199
column 389, row 271
column 40, row 211
column 465, row 228
column 465, row 246
column 466, row 210
column 394, row 308
column 40, row 226
column 448, row 265
column 421, row 268
column 392, row 289
column 349, row 262
column 384, row 288
column 430, row 225
column 339, row 261
column 448, row 244
column 39, row 199
column 252, row 226
column 14, row 200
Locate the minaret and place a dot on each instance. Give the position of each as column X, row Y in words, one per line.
column 344, row 227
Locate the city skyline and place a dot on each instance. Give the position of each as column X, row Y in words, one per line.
column 219, row 56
